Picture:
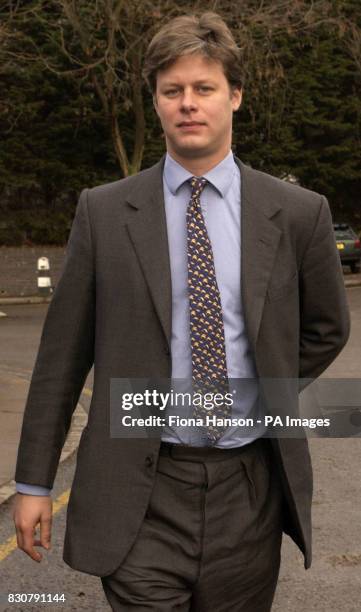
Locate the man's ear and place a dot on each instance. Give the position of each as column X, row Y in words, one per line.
column 237, row 94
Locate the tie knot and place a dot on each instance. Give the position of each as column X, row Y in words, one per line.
column 197, row 183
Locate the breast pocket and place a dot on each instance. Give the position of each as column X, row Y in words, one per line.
column 278, row 291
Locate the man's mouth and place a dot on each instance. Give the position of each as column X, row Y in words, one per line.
column 190, row 124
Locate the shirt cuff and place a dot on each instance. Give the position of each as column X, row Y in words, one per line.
column 28, row 489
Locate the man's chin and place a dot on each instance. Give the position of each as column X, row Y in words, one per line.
column 192, row 149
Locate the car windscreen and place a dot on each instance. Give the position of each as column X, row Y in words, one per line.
column 344, row 234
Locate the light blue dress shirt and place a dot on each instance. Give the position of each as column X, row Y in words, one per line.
column 221, row 207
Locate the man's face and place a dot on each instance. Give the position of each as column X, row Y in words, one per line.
column 195, row 105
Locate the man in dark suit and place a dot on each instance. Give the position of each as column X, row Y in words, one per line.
column 198, row 268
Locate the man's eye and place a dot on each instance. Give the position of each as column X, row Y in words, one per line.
column 171, row 92
column 205, row 88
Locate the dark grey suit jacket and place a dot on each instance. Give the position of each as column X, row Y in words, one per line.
column 112, row 307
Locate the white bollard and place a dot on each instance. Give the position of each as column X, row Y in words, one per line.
column 44, row 281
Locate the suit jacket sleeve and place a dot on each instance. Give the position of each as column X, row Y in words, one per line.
column 325, row 321
column 64, row 359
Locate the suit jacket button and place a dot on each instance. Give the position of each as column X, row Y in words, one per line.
column 149, row 461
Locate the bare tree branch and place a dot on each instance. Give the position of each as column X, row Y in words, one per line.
column 103, row 42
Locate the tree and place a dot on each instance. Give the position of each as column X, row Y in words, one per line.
column 307, row 121
column 75, row 110
column 100, row 44
column 103, row 43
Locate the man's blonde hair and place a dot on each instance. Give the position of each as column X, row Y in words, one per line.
column 206, row 34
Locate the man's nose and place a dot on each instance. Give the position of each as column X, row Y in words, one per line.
column 188, row 100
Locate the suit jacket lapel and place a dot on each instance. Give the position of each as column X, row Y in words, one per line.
column 148, row 232
column 259, row 242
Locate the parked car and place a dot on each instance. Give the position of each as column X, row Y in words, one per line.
column 348, row 245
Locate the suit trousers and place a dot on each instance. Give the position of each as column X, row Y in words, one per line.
column 211, row 537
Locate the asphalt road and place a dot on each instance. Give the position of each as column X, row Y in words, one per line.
column 19, row 574
column 331, row 585
column 20, row 333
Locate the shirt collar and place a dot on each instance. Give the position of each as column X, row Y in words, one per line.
column 220, row 177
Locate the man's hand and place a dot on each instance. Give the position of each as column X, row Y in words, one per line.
column 29, row 511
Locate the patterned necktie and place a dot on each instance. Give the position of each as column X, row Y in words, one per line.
column 209, row 367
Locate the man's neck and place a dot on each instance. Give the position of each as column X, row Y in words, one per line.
column 199, row 166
